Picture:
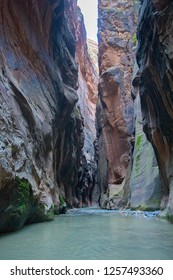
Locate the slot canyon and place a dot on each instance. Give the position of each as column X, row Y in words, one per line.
column 85, row 125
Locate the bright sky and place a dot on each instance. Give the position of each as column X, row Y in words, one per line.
column 89, row 10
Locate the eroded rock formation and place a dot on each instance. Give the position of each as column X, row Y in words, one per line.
column 86, row 54
column 155, row 59
column 37, row 97
column 48, row 93
column 41, row 126
column 145, row 184
column 117, row 26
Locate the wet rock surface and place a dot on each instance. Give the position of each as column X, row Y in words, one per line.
column 155, row 59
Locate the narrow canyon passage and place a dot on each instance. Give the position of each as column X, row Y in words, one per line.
column 86, row 128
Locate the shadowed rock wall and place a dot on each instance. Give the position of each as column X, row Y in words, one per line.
column 155, row 59
column 86, row 55
column 41, row 128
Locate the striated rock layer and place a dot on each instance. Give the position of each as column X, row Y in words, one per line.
column 86, row 55
column 41, row 127
column 37, row 96
column 155, row 59
column 117, row 25
column 145, row 184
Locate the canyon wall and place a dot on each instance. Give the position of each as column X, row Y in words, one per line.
column 128, row 173
column 86, row 55
column 116, row 34
column 145, row 184
column 155, row 60
column 48, row 95
column 41, row 126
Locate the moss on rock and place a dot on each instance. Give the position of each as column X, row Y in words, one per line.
column 169, row 217
column 144, row 207
column 16, row 214
column 23, row 208
column 40, row 212
column 134, row 39
column 62, row 205
column 138, row 153
column 21, row 193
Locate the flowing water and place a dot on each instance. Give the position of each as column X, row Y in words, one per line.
column 92, row 234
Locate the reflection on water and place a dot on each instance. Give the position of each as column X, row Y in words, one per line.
column 91, row 234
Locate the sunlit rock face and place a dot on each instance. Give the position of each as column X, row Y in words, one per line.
column 155, row 59
column 41, row 128
column 86, row 56
column 117, row 26
column 145, row 184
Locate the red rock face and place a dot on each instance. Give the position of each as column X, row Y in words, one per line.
column 87, row 93
column 155, row 59
column 117, row 24
column 88, row 78
column 45, row 152
column 41, row 127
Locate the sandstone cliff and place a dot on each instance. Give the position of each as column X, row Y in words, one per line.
column 41, row 127
column 116, row 32
column 86, row 55
column 145, row 184
column 48, row 95
column 155, row 58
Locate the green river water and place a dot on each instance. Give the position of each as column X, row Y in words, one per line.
column 91, row 234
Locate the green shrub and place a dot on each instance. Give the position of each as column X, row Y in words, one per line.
column 134, row 39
